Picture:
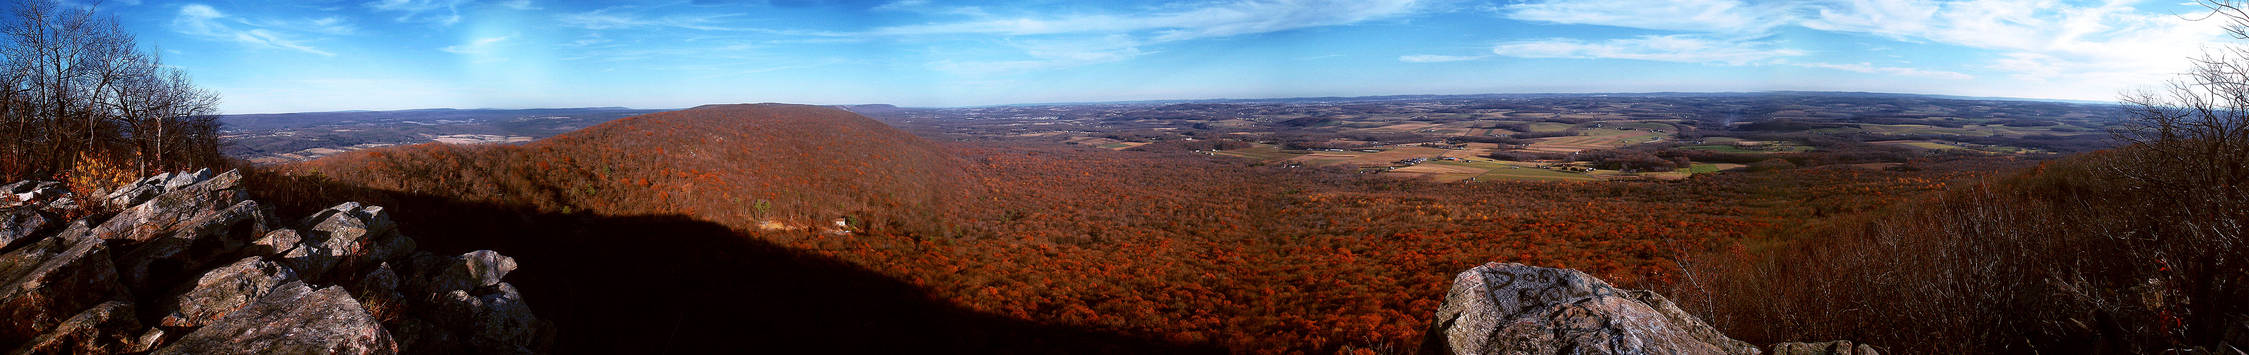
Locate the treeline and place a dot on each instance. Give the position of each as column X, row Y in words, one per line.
column 79, row 99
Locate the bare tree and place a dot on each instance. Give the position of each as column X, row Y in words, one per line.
column 73, row 83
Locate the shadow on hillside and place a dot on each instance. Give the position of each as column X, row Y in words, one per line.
column 673, row 284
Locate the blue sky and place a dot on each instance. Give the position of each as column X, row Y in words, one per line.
column 294, row 56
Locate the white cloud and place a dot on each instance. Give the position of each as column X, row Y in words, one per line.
column 629, row 17
column 1727, row 16
column 1112, row 37
column 205, row 22
column 422, row 10
column 2105, row 43
column 1433, row 58
column 1228, row 19
column 477, row 46
column 1870, row 68
column 2038, row 41
column 1672, row 48
column 1050, row 54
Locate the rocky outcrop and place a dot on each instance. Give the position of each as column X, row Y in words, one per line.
column 51, row 280
column 105, row 328
column 1515, row 309
column 226, row 289
column 294, row 319
column 188, row 263
column 1506, row 308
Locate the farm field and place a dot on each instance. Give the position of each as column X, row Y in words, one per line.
column 1597, row 138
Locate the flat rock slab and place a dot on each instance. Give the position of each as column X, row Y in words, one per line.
column 292, row 319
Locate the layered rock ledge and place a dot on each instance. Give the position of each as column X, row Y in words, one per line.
column 189, row 264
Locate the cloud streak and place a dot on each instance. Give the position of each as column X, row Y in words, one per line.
column 1870, row 68
column 1673, row 48
column 478, row 46
column 204, row 22
column 2034, row 40
column 441, row 12
column 1102, row 37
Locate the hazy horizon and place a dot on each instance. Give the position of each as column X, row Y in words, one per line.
column 410, row 54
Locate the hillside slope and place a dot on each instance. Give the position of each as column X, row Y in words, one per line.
column 772, row 165
column 652, row 225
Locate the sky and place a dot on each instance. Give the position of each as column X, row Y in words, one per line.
column 313, row 55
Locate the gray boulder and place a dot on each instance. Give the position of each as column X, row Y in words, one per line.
column 348, row 239
column 162, row 214
column 276, row 242
column 107, row 328
column 463, row 301
column 184, row 179
column 1506, row 308
column 46, row 282
column 21, row 223
column 138, row 191
column 494, row 319
column 293, row 319
column 436, row 274
column 31, row 191
column 209, row 238
column 224, row 290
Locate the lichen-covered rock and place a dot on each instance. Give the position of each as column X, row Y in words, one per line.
column 226, row 289
column 20, row 224
column 348, row 239
column 162, row 214
column 45, row 282
column 1839, row 347
column 464, row 304
column 206, row 264
column 293, row 319
column 184, row 179
column 107, row 328
column 275, row 242
column 1505, row 308
column 210, row 238
column 436, row 274
column 493, row 318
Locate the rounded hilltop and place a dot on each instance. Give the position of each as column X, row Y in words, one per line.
column 749, row 166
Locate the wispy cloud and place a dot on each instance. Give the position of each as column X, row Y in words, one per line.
column 1225, row 19
column 1672, row 48
column 477, row 46
column 1433, row 58
column 1111, row 37
column 1870, row 68
column 633, row 17
column 205, row 22
column 1728, row 16
column 2034, row 40
column 441, row 12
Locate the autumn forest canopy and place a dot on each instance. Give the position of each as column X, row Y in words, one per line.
column 1917, row 223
